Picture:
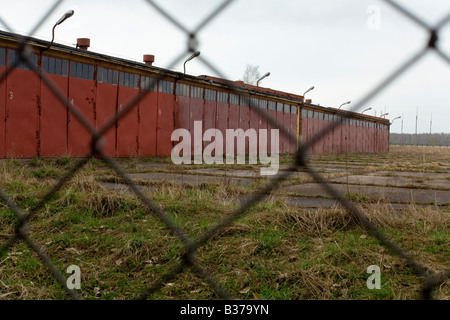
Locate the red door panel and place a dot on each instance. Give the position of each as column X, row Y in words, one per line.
column 128, row 126
column 148, row 123
column 166, row 124
column 273, row 116
column 82, row 97
column 239, row 118
column 21, row 123
column 294, row 128
column 182, row 113
column 210, row 117
column 106, row 110
column 53, row 122
column 2, row 106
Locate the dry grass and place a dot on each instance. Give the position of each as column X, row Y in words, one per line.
column 274, row 252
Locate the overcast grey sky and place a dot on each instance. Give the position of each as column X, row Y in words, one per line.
column 344, row 48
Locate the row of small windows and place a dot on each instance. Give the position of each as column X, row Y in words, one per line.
column 335, row 118
column 55, row 66
column 81, row 70
column 210, row 95
column 130, row 80
column 149, row 83
column 105, row 75
column 14, row 56
column 182, row 90
column 166, row 86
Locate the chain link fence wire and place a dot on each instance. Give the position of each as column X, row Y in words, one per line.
column 191, row 246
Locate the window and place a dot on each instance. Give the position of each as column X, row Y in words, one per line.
column 196, row 92
column 272, row 105
column 166, row 86
column 81, row 70
column 222, row 97
column 253, row 102
column 107, row 75
column 210, row 95
column 2, row 57
column 310, row 114
column 55, row 66
column 280, row 107
column 287, row 108
column 14, row 56
column 294, row 109
column 182, row 89
column 130, row 80
column 149, row 83
column 244, row 101
column 262, row 104
column 234, row 99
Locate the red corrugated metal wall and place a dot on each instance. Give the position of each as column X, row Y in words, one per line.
column 53, row 121
column 222, row 115
column 37, row 123
column 262, row 123
column 128, row 126
column 107, row 94
column 82, row 93
column 272, row 108
column 166, row 118
column 293, row 117
column 2, row 102
column 148, row 118
column 209, row 116
column 196, row 109
column 240, row 117
column 21, row 121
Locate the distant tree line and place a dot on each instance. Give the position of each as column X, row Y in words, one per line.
column 420, row 139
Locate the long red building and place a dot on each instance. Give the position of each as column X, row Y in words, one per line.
column 34, row 122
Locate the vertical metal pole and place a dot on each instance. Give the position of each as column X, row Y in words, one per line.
column 401, row 139
column 431, row 121
column 417, row 116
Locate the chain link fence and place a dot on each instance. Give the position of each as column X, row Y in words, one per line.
column 191, row 246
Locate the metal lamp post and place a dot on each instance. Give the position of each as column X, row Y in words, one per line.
column 66, row 16
column 299, row 136
column 194, row 55
column 264, row 76
column 348, row 102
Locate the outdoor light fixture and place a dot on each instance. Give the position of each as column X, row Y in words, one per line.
column 194, row 55
column 395, row 119
column 366, row 110
column 312, row 88
column 66, row 16
column 299, row 136
column 264, row 76
column 384, row 114
column 348, row 102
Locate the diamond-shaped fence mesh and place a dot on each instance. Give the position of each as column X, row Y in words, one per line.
column 191, row 245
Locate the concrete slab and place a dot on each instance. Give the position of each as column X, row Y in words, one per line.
column 396, row 181
column 392, row 194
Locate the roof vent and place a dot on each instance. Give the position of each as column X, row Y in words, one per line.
column 149, row 59
column 308, row 101
column 83, row 43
